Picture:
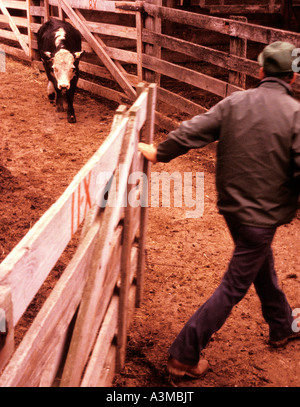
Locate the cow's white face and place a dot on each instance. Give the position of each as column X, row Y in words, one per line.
column 63, row 68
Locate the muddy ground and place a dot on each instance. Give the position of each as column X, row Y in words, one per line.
column 40, row 153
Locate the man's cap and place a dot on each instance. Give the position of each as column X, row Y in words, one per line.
column 277, row 57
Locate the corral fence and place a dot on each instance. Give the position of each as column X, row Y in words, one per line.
column 192, row 56
column 78, row 338
column 195, row 57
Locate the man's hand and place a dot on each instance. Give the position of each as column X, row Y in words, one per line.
column 148, row 151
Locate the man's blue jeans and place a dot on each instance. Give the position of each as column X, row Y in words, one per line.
column 252, row 262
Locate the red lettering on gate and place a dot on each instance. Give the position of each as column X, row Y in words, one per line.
column 83, row 197
column 92, row 4
column 88, row 203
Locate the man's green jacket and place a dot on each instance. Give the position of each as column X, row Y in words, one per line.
column 258, row 152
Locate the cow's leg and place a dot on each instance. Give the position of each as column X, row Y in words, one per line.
column 51, row 92
column 59, row 101
column 71, row 113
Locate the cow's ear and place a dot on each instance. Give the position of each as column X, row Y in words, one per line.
column 46, row 55
column 78, row 55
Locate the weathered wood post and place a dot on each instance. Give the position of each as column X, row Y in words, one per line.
column 147, row 138
column 139, row 44
column 43, row 6
column 29, row 32
column 123, row 311
column 153, row 24
column 238, row 47
column 46, row 10
column 289, row 18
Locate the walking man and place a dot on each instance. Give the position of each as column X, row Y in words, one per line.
column 258, row 184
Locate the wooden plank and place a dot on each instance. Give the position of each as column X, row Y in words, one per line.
column 102, row 346
column 121, row 7
column 29, row 33
column 122, row 55
column 46, row 10
column 135, row 196
column 153, row 23
column 95, row 70
column 130, row 303
column 34, row 28
column 148, row 48
column 139, row 45
column 86, row 326
column 10, row 35
column 165, row 122
column 148, row 138
column 26, row 267
column 102, row 91
column 125, row 261
column 100, row 5
column 110, row 29
column 60, row 11
column 189, row 76
column 6, row 326
column 52, row 321
column 112, row 272
column 179, row 102
column 108, row 371
column 14, row 28
column 216, row 57
column 99, row 50
column 238, row 47
column 128, row 6
column 19, row 21
column 19, row 53
column 14, row 4
column 139, row 109
column 247, row 31
column 115, row 53
column 107, row 29
column 136, row 176
column 203, row 53
column 101, row 368
column 92, row 214
column 46, row 377
column 157, row 27
column 242, row 9
column 106, row 313
column 36, row 11
column 118, row 116
column 87, row 322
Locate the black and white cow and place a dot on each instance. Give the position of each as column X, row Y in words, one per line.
column 59, row 44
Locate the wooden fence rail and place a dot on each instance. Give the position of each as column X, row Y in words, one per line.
column 103, row 281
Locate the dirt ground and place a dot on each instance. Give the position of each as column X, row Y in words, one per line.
column 186, row 258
